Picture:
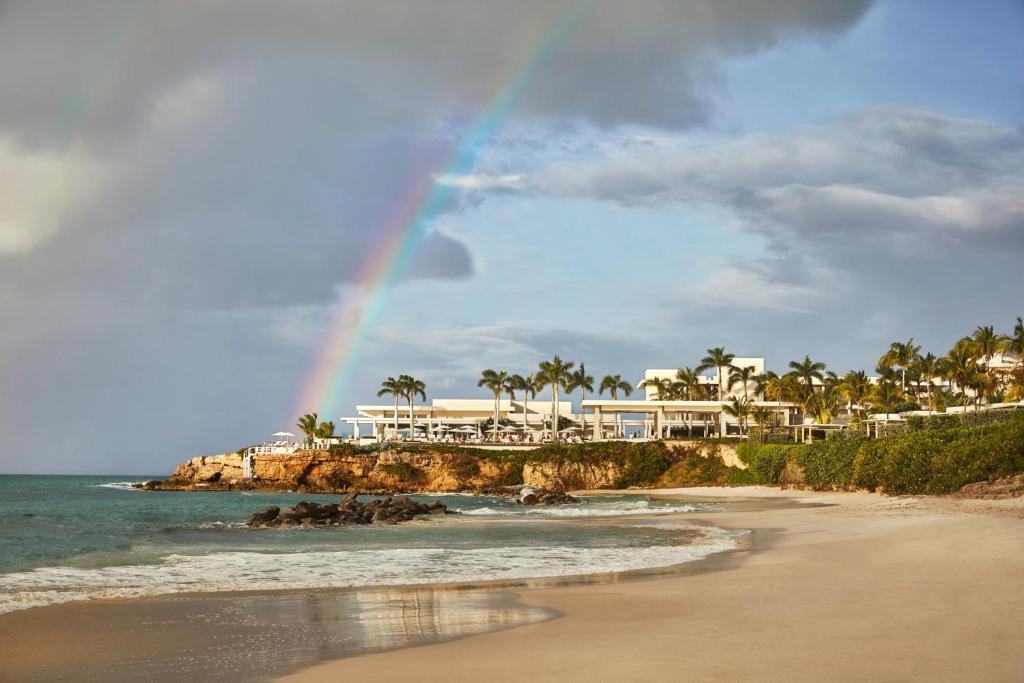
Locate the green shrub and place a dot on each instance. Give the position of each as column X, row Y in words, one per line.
column 702, row 467
column 828, row 464
column 766, row 461
column 466, row 466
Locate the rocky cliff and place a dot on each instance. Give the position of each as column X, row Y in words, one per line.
column 386, row 471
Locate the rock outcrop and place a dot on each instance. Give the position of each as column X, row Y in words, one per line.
column 530, row 496
column 994, row 489
column 350, row 511
column 570, row 476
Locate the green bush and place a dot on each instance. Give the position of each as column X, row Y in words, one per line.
column 828, row 464
column 702, row 467
column 766, row 461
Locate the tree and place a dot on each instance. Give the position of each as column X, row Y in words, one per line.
column 662, row 387
column 961, row 368
column 613, row 384
column 1015, row 342
column 325, row 430
column 927, row 368
column 584, row 382
column 394, row 387
column 742, row 376
column 498, row 382
column 763, row 417
column 900, row 354
column 885, row 395
column 527, row 385
column 856, row 388
column 687, row 386
column 308, row 424
column 717, row 358
column 822, row 407
column 740, row 409
column 554, row 373
column 411, row 388
column 807, row 371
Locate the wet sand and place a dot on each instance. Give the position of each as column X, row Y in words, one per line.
column 857, row 587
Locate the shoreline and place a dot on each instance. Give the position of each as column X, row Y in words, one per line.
column 532, row 613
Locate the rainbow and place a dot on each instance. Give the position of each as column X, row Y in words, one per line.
column 357, row 310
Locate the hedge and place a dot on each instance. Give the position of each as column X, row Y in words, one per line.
column 766, row 461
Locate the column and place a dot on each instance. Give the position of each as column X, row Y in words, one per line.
column 597, row 423
column 722, row 425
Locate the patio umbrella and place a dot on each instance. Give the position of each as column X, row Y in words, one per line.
column 282, row 434
column 440, row 428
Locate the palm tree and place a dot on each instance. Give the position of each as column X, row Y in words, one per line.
column 308, row 424
column 960, row 367
column 740, row 409
column 1015, row 342
column 1015, row 389
column 807, row 370
column 527, row 385
column 856, row 387
column 325, row 430
column 987, row 343
column 901, row 354
column 411, row 388
column 662, row 387
column 613, row 384
column 762, row 417
column 584, row 382
column 554, row 373
column 688, row 387
column 742, row 376
column 885, row 395
column 822, row 406
column 498, row 382
column 394, row 387
column 927, row 368
column 717, row 358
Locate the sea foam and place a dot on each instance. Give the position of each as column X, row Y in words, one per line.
column 227, row 571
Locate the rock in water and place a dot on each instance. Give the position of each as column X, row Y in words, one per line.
column 350, row 511
column 529, row 496
column 264, row 517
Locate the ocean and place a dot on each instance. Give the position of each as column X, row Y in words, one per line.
column 67, row 538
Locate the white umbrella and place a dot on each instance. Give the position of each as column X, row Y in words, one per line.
column 466, row 428
column 282, row 434
column 440, row 428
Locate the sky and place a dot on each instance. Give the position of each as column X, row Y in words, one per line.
column 191, row 191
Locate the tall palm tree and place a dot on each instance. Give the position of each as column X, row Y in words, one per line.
column 743, row 376
column 740, row 409
column 902, row 355
column 411, row 388
column 1015, row 342
column 584, row 382
column 613, row 384
column 822, row 406
column 554, row 373
column 687, row 387
column 927, row 368
column 807, row 371
column 718, row 359
column 308, row 424
column 960, row 367
column 527, row 385
column 394, row 387
column 498, row 382
column 987, row 343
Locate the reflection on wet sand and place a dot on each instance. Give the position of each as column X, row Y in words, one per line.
column 240, row 637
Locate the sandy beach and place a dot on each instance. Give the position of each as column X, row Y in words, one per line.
column 826, row 586
column 845, row 586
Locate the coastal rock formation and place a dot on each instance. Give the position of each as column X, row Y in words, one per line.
column 568, row 476
column 994, row 489
column 350, row 511
column 530, row 496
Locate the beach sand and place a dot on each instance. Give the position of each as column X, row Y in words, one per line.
column 847, row 586
column 827, row 586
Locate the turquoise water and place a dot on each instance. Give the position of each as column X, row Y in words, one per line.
column 84, row 537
